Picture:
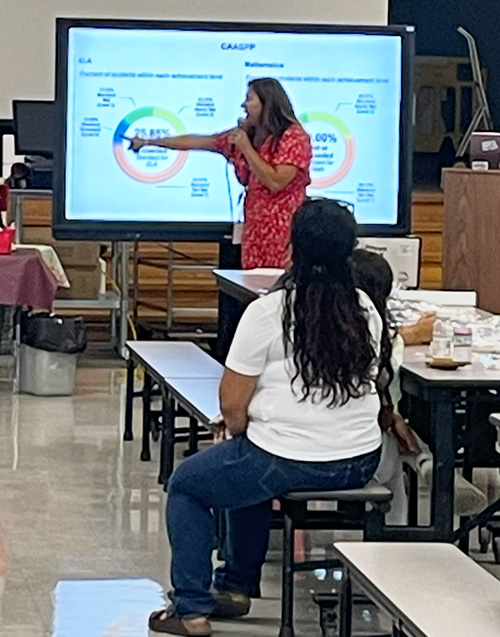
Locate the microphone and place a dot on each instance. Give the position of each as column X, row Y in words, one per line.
column 241, row 123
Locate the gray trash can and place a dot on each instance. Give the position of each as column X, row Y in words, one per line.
column 49, row 353
column 47, row 373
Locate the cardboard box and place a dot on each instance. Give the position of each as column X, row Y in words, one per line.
column 77, row 253
column 38, row 234
column 70, row 253
column 85, row 282
column 402, row 253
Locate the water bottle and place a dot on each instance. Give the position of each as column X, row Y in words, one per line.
column 462, row 344
column 442, row 338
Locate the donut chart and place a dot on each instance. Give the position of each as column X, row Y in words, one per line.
column 151, row 164
column 331, row 139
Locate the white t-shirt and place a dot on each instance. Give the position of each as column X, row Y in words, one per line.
column 279, row 422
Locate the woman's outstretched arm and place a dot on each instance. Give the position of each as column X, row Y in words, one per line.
column 181, row 142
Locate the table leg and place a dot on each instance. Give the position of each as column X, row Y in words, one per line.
column 2, row 319
column 146, row 418
column 17, row 201
column 443, row 437
column 115, row 315
column 112, row 329
column 167, row 439
column 128, row 433
column 193, row 435
column 230, row 311
column 17, row 351
column 413, row 498
column 286, row 629
column 124, row 299
column 345, row 606
column 464, row 543
column 477, row 429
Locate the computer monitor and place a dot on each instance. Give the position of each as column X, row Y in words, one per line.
column 34, row 127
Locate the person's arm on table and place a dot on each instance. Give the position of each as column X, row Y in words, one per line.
column 420, row 333
column 236, row 391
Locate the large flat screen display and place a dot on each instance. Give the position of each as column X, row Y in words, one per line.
column 350, row 89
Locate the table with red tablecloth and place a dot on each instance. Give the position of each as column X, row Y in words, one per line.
column 25, row 281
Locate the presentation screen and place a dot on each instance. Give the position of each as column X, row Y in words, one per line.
column 350, row 88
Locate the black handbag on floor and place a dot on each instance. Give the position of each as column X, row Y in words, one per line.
column 66, row 335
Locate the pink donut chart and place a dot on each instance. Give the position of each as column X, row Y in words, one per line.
column 128, row 161
column 336, row 129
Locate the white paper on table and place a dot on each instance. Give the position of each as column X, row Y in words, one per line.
column 51, row 260
column 266, row 271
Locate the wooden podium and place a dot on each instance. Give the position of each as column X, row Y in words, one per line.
column 471, row 232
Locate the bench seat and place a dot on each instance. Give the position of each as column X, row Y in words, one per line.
column 372, row 492
column 429, row 590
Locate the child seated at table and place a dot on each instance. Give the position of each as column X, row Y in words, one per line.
column 400, row 444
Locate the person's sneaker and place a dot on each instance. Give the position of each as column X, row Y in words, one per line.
column 165, row 621
column 230, row 605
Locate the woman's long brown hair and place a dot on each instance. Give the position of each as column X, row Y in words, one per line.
column 277, row 110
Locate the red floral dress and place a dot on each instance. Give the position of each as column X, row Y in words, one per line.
column 268, row 215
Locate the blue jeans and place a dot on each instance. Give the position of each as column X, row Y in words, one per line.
column 243, row 479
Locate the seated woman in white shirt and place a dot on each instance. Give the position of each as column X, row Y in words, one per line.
column 299, row 398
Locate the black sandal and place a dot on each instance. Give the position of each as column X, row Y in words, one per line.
column 165, row 621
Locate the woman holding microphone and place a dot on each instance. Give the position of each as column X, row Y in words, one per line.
column 271, row 154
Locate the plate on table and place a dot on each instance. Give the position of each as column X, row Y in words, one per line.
column 444, row 363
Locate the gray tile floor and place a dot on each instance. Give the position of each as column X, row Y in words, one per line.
column 82, row 544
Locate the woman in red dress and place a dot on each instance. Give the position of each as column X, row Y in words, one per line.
column 271, row 153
